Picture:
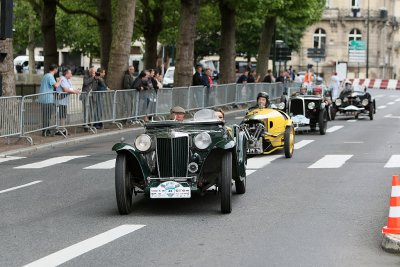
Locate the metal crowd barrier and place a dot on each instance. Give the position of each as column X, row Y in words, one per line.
column 52, row 112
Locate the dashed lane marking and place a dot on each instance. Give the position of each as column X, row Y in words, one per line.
column 85, row 246
column 106, row 165
column 330, row 161
column 352, row 120
column 394, row 162
column 8, row 158
column 378, row 96
column 397, row 100
column 49, row 162
column 334, row 128
column 259, row 162
column 18, row 187
column 382, row 107
column 302, row 143
column 390, row 103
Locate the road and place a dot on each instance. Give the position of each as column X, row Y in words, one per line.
column 316, row 209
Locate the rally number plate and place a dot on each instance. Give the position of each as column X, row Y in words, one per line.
column 170, row 189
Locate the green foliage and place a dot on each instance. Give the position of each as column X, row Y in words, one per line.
column 22, row 11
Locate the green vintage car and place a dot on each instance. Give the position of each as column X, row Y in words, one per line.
column 175, row 159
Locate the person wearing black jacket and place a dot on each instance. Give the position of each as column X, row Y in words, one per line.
column 141, row 84
column 199, row 78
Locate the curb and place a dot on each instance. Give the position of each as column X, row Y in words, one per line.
column 75, row 140
column 391, row 243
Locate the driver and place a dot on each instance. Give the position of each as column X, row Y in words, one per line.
column 262, row 101
column 303, row 91
column 177, row 113
column 317, row 91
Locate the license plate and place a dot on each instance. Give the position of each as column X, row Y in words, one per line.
column 170, row 189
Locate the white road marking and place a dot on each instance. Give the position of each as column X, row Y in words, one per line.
column 109, row 164
column 397, row 100
column 330, row 161
column 393, row 96
column 8, row 158
column 259, row 162
column 393, row 162
column 382, row 107
column 87, row 245
column 352, row 120
column 391, row 116
column 390, row 103
column 377, row 96
column 302, row 143
column 18, row 187
column 354, row 142
column 49, row 162
column 334, row 128
column 249, row 172
column 239, row 118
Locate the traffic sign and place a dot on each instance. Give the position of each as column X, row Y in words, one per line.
column 316, row 52
column 357, row 51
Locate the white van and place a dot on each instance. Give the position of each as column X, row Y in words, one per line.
column 21, row 64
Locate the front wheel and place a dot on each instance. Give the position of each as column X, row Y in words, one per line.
column 289, row 141
column 226, row 183
column 322, row 121
column 371, row 111
column 123, row 187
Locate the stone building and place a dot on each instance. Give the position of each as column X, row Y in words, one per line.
column 373, row 23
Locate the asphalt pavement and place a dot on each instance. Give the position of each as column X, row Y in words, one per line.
column 326, row 206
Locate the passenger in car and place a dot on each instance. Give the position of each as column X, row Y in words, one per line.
column 303, row 91
column 318, row 92
column 177, row 113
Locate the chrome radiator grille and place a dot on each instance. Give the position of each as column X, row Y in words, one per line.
column 172, row 156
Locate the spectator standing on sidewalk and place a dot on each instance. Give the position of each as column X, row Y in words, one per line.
column 141, row 85
column 199, row 77
column 48, row 85
column 63, row 91
column 129, row 78
column 269, row 78
column 253, row 78
column 99, row 98
column 90, row 83
column 243, row 78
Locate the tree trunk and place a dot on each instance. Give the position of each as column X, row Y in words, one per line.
column 228, row 40
column 153, row 20
column 185, row 42
column 265, row 45
column 7, row 69
column 121, row 43
column 49, row 33
column 105, row 29
column 31, row 44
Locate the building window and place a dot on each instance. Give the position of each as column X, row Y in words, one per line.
column 355, row 34
column 355, row 3
column 319, row 38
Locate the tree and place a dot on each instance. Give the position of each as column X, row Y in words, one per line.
column 121, row 43
column 185, row 42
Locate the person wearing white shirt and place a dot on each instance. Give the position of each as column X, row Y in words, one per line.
column 335, row 84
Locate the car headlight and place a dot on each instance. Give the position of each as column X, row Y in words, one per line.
column 365, row 102
column 311, row 105
column 202, row 140
column 338, row 102
column 143, row 142
column 322, row 105
column 345, row 99
column 281, row 106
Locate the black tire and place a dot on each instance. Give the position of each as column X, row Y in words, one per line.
column 226, row 183
column 289, row 141
column 322, row 122
column 371, row 111
column 241, row 185
column 123, row 187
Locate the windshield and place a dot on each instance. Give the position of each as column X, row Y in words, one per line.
column 205, row 115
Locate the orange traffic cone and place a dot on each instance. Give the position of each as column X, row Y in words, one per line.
column 393, row 226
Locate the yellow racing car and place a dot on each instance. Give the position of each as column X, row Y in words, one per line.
column 268, row 129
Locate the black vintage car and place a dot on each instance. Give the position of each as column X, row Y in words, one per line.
column 175, row 159
column 355, row 103
column 309, row 111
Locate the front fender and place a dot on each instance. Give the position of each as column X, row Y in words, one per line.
column 225, row 144
column 136, row 159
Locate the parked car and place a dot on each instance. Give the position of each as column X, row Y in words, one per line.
column 354, row 102
column 174, row 159
column 268, row 130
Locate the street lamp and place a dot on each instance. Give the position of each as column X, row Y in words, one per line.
column 367, row 65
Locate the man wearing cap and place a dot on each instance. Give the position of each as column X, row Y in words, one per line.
column 177, row 113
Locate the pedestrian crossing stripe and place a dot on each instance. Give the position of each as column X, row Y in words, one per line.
column 49, row 162
column 334, row 128
column 105, row 165
column 330, row 161
column 302, row 143
column 394, row 162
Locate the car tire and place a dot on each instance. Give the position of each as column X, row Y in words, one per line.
column 226, row 183
column 371, row 111
column 289, row 141
column 333, row 114
column 123, row 187
column 322, row 122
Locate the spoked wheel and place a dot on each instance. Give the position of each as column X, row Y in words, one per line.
column 371, row 112
column 289, row 141
column 123, row 188
column 226, row 183
column 322, row 122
